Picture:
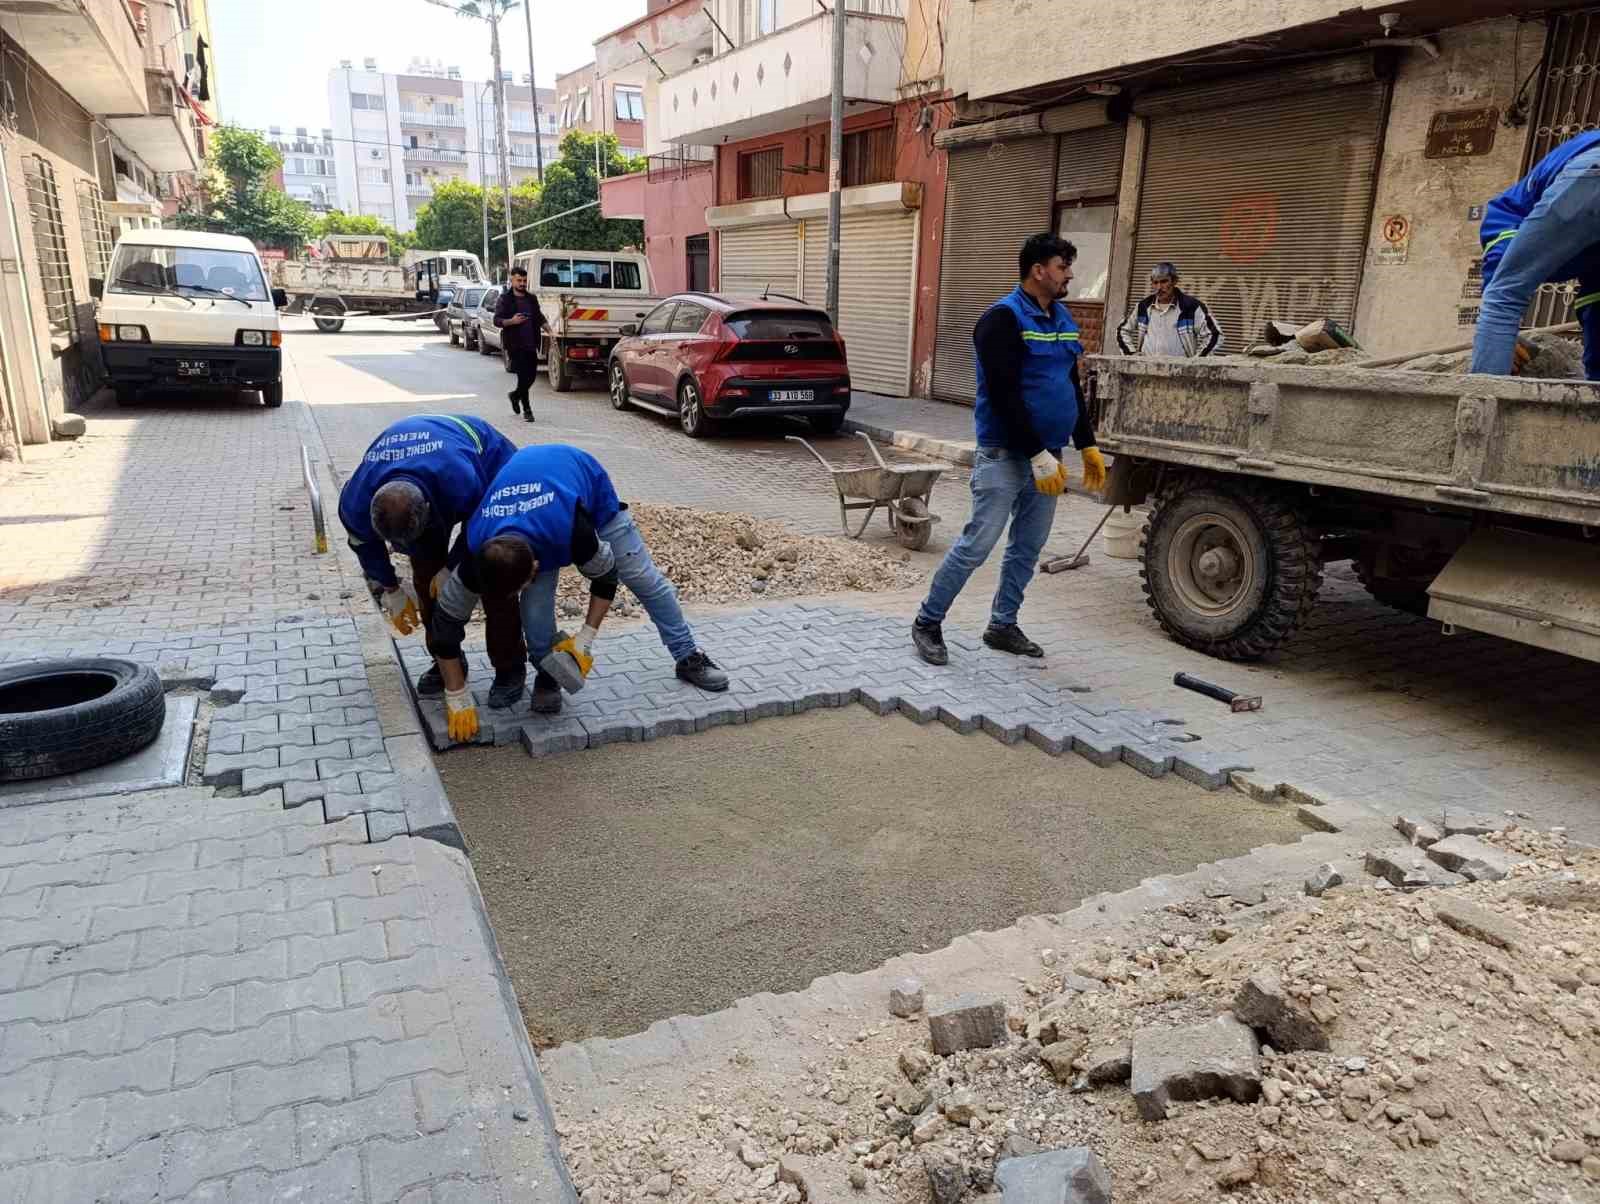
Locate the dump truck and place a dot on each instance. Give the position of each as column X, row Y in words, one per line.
column 1472, row 500
column 352, row 276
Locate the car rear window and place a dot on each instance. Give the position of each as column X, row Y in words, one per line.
column 470, row 297
column 779, row 324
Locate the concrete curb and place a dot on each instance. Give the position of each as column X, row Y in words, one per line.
column 928, row 445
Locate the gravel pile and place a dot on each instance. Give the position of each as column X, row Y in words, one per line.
column 1457, row 1070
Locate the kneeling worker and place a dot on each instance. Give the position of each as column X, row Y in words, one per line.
column 420, row 478
column 553, row 506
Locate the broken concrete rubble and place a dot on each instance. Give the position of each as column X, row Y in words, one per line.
column 1461, row 822
column 1407, row 868
column 1471, row 858
column 1107, row 1063
column 1263, row 1003
column 905, row 998
column 1070, row 1176
column 1322, row 879
column 1193, row 1062
column 1418, row 829
column 967, row 1022
column 1480, row 924
column 947, row 1178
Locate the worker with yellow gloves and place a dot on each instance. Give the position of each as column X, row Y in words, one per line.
column 1028, row 405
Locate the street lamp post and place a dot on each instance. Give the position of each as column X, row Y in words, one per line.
column 533, row 94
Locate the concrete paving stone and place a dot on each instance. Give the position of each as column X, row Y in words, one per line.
column 355, row 884
column 312, row 863
column 352, row 913
column 227, row 769
column 157, row 945
column 266, row 1145
column 261, row 1089
column 134, row 1174
column 147, row 1069
column 364, row 980
column 270, row 1043
column 144, row 1021
column 256, row 1001
column 389, row 859
column 88, row 871
column 1173, row 1063
column 61, row 928
column 91, row 1036
column 1006, row 727
column 63, row 1135
column 961, row 716
column 91, row 992
column 1394, row 864
column 377, row 1062
column 1207, row 768
column 453, row 1153
column 766, row 703
column 52, row 961
column 204, row 972
column 1053, row 736
column 405, row 936
column 323, row 689
column 24, row 1093
column 970, row 1021
column 615, row 729
column 341, row 805
column 1481, row 924
column 296, row 794
column 923, row 708
column 545, row 737
column 1097, row 747
column 1148, row 758
column 388, row 1112
column 336, row 766
column 255, row 710
column 209, row 904
column 298, row 841
column 307, row 953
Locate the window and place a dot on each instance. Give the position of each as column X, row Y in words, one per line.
column 367, row 100
column 490, row 297
column 470, row 297
column 566, row 111
column 591, row 273
column 1089, row 228
column 656, row 320
column 629, row 104
column 50, row 241
column 688, row 319
column 467, row 269
column 625, row 275
column 780, row 324
column 583, row 104
column 96, row 231
column 869, row 156
column 761, row 174
column 766, row 16
column 185, row 270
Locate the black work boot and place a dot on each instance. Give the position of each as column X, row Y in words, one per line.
column 546, row 694
column 700, row 670
column 1008, row 637
column 431, row 684
column 929, row 641
column 516, row 402
column 507, row 688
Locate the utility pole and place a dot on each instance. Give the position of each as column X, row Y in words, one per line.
column 500, row 127
column 533, row 94
column 483, row 183
column 835, row 160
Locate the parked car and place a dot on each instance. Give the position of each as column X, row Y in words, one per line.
column 481, row 319
column 458, row 314
column 445, row 296
column 706, row 359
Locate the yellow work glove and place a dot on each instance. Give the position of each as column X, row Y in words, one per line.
column 400, row 610
column 461, row 715
column 1094, row 469
column 579, row 654
column 1049, row 477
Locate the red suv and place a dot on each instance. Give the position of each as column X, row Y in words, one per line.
column 706, row 359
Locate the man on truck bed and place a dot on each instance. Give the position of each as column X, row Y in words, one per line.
column 1544, row 228
column 517, row 315
column 1027, row 407
column 1169, row 321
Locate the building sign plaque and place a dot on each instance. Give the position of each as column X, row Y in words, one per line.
column 1460, row 133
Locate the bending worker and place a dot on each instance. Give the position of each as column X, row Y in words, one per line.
column 549, row 507
column 1027, row 408
column 1543, row 229
column 420, row 478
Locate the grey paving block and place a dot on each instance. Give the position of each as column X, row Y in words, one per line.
column 1008, row 728
column 964, row 717
column 253, row 781
column 623, row 728
column 766, row 703
column 1098, row 747
column 1206, row 768
column 545, row 737
column 1150, row 759
column 381, row 825
column 227, row 769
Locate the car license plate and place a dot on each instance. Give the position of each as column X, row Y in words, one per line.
column 194, row 367
column 792, row 395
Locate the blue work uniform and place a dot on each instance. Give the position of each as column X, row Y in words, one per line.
column 1046, row 382
column 538, row 494
column 451, row 459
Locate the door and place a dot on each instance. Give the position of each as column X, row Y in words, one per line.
column 674, row 355
column 697, row 249
column 760, row 259
column 640, row 359
column 877, row 262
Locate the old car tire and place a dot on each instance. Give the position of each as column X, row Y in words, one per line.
column 1230, row 570
column 64, row 716
column 560, row 374
column 619, row 386
column 272, row 395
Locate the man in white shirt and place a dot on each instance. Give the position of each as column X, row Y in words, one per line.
column 1169, row 321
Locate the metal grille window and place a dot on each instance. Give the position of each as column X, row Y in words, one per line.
column 761, row 174
column 869, row 156
column 50, row 238
column 97, row 238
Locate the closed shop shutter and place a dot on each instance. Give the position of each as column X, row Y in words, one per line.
column 877, row 254
column 1090, row 163
column 758, row 259
column 1264, row 207
column 997, row 194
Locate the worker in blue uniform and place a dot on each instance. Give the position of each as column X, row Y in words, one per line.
column 1545, row 228
column 422, row 477
column 552, row 506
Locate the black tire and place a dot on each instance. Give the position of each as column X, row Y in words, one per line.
column 619, row 387
column 1256, row 590
column 127, row 395
column 272, row 395
column 559, row 372
column 827, row 424
column 1396, row 592
column 692, row 415
column 455, row 339
column 65, row 716
column 328, row 318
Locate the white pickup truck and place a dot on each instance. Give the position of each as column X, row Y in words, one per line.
column 587, row 298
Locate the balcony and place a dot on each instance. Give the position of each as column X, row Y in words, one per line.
column 164, row 137
column 455, row 121
column 781, row 81
column 419, row 190
column 434, row 154
column 89, row 47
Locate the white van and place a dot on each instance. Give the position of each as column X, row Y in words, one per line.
column 182, row 310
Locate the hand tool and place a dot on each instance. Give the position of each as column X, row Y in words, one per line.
column 1238, row 702
column 1061, row 564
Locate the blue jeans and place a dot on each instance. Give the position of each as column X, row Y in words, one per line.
column 1002, row 490
column 636, row 570
column 1554, row 242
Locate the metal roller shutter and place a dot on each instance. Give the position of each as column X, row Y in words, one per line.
column 877, row 257
column 1089, row 163
column 1265, row 208
column 996, row 195
column 758, row 259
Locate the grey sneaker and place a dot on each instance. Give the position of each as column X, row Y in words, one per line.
column 431, row 684
column 546, row 694
column 700, row 670
column 507, row 689
column 929, row 641
column 1009, row 638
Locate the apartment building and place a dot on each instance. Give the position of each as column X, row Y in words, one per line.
column 101, row 129
column 397, row 136
column 308, row 173
column 591, row 101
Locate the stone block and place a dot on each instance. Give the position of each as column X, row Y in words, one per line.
column 1458, row 821
column 1205, row 768
column 1194, row 1062
column 1481, row 924
column 1006, row 727
column 1263, row 1003
column 906, row 998
column 1148, row 758
column 880, row 700
column 1471, row 858
column 1074, row 1175
column 921, row 708
column 967, row 1022
column 1325, row 877
column 964, row 717
column 382, row 825
column 1105, row 1064
column 546, row 737
column 1407, row 867
column 1418, row 829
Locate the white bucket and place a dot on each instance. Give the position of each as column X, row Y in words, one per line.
column 1123, row 534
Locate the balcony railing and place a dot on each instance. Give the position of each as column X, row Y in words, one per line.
column 432, row 120
column 687, row 161
column 434, row 154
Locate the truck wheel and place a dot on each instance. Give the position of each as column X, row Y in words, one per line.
column 1230, row 570
column 327, row 318
column 560, row 373
column 272, row 395
column 1397, row 592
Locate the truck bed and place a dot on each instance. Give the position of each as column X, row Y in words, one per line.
column 1529, row 448
column 593, row 313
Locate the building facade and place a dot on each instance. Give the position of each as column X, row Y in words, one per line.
column 608, row 102
column 308, row 173
column 397, row 136
column 102, row 129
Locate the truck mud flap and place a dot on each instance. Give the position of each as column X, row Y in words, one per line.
column 1535, row 589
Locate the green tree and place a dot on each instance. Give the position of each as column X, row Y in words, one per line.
column 240, row 195
column 339, row 222
column 453, row 219
column 570, row 182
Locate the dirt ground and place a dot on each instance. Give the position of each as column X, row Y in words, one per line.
column 640, row 881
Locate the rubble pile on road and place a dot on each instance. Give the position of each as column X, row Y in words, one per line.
column 1380, row 1044
column 720, row 558
column 1551, row 357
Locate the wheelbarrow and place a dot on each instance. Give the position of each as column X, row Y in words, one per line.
column 902, row 489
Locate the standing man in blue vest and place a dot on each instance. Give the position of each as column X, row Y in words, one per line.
column 1544, row 228
column 552, row 506
column 420, row 478
column 1027, row 408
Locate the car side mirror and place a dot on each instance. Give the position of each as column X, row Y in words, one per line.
column 97, row 287
column 629, row 330
column 280, row 298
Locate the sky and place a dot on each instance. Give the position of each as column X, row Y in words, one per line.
column 273, row 56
